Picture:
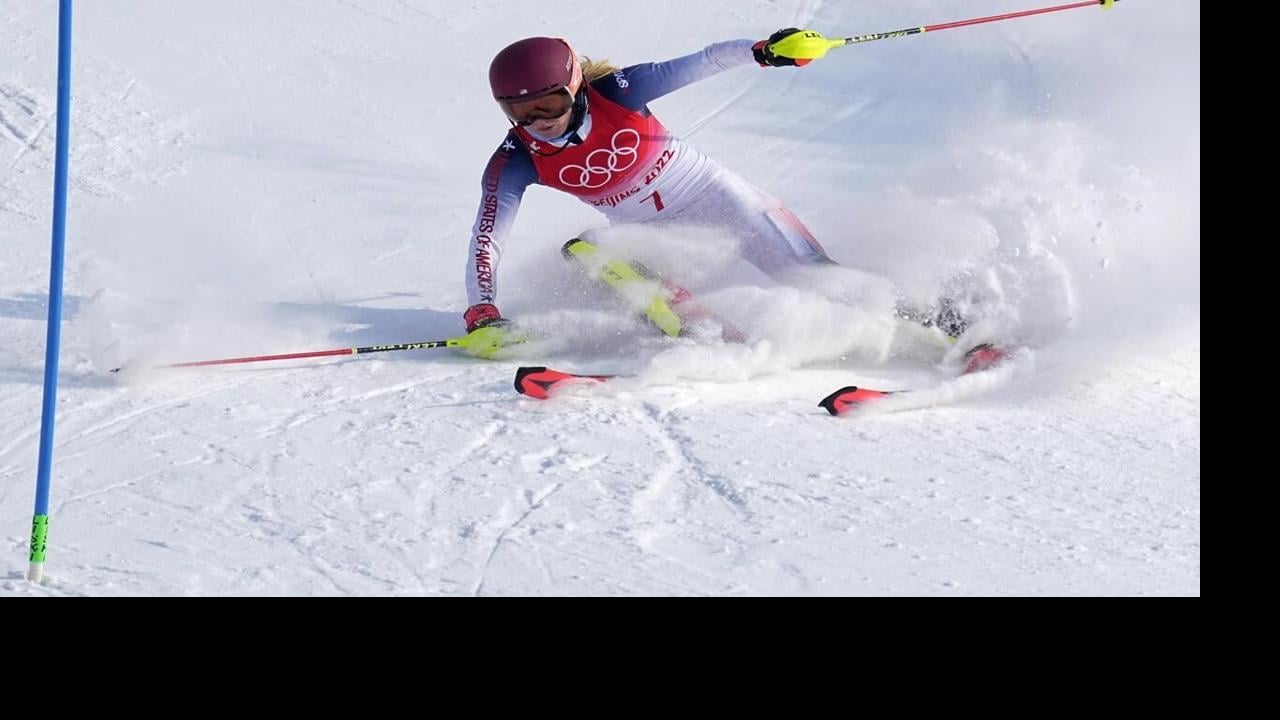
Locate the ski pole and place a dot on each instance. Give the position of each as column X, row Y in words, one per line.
column 810, row 45
column 430, row 345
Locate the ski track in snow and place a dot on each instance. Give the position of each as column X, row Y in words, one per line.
column 534, row 504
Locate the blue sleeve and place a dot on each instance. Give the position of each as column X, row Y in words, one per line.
column 509, row 172
column 636, row 86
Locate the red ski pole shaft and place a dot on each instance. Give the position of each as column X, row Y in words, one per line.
column 429, row 345
column 974, row 21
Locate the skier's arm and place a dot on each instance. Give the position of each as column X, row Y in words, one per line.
column 637, row 85
column 509, row 172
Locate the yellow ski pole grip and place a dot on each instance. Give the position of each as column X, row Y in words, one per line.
column 804, row 45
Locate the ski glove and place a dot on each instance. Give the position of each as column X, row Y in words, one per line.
column 488, row 332
column 480, row 315
column 767, row 58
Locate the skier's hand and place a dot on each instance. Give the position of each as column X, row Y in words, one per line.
column 480, row 315
column 486, row 342
column 488, row 332
column 767, row 58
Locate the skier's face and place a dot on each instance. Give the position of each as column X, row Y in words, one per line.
column 551, row 128
column 547, row 116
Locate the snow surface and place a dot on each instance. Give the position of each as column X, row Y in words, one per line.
column 254, row 177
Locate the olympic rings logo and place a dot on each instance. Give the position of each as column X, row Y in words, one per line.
column 603, row 163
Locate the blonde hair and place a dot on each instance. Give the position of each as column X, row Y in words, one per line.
column 596, row 69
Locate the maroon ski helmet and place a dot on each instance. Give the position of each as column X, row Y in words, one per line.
column 532, row 68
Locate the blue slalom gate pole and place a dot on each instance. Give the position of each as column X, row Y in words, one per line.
column 40, row 522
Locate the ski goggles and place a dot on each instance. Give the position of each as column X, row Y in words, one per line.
column 547, row 107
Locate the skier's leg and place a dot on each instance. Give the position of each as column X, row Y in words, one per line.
column 777, row 242
column 667, row 306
